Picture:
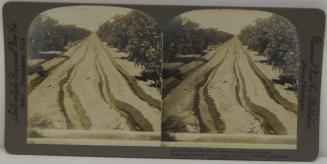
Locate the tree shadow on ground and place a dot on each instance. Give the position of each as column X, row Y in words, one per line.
column 286, row 80
column 145, row 76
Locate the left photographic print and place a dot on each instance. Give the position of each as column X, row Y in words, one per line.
column 94, row 77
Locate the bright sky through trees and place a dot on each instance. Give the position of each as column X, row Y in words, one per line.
column 88, row 17
column 227, row 20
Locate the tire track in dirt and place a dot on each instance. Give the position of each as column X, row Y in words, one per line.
column 80, row 110
column 100, row 83
column 269, row 121
column 134, row 116
column 131, row 81
column 128, row 116
column 269, row 86
column 211, row 107
column 38, row 80
column 237, row 86
column 265, row 126
column 84, row 120
column 165, row 91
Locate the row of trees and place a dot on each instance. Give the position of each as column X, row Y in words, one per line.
column 138, row 35
column 183, row 36
column 276, row 38
column 46, row 34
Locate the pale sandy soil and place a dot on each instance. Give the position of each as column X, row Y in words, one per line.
column 258, row 95
column 189, row 67
column 31, row 62
column 172, row 65
column 273, row 74
column 56, row 60
column 189, row 57
column 43, row 108
column 193, row 65
column 134, row 70
column 245, row 108
column 123, row 92
column 178, row 104
column 84, row 83
column 53, row 62
column 222, row 89
column 211, row 53
column 87, row 92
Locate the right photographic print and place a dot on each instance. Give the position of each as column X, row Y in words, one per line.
column 230, row 80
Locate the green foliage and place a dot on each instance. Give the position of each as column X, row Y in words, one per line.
column 139, row 35
column 46, row 34
column 183, row 36
column 276, row 38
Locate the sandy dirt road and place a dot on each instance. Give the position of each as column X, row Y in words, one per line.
column 228, row 95
column 87, row 92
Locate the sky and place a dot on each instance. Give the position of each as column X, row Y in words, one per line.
column 91, row 17
column 227, row 20
column 88, row 17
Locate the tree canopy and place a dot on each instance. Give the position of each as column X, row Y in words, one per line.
column 46, row 34
column 138, row 35
column 183, row 36
column 276, row 38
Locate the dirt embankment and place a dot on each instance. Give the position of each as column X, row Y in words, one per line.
column 280, row 120
column 271, row 90
column 227, row 95
column 269, row 122
column 133, row 84
column 135, row 119
column 179, row 114
column 83, row 119
column 89, row 92
column 213, row 112
column 43, row 69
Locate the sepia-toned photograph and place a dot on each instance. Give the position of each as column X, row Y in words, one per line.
column 94, row 77
column 230, row 80
column 217, row 78
column 163, row 81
